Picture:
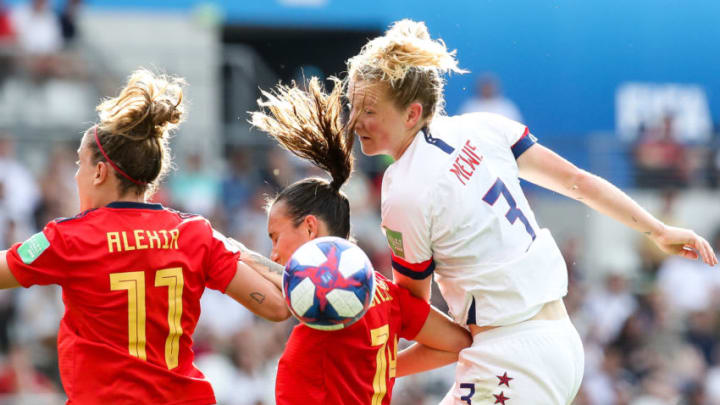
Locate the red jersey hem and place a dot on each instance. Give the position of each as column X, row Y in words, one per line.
column 198, row 401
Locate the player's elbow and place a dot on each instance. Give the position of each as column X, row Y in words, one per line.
column 582, row 184
column 278, row 313
column 460, row 341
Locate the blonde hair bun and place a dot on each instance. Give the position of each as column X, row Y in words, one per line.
column 149, row 106
column 409, row 28
column 406, row 45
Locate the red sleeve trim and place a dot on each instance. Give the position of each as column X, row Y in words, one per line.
column 416, row 271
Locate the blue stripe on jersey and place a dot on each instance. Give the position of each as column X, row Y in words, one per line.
column 78, row 216
column 471, row 319
column 136, row 205
column 414, row 274
column 526, row 141
column 437, row 142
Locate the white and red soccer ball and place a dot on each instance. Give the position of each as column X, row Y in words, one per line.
column 328, row 283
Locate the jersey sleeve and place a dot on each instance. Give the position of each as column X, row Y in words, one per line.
column 42, row 259
column 407, row 226
column 222, row 261
column 414, row 312
column 516, row 135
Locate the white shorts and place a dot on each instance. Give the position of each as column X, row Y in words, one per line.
column 536, row 362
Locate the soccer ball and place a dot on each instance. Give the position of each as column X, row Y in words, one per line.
column 329, row 283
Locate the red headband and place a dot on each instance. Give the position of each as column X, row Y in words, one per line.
column 117, row 169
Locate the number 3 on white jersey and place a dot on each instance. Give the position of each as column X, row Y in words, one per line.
column 496, row 190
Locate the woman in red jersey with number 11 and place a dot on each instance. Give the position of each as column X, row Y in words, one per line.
column 133, row 272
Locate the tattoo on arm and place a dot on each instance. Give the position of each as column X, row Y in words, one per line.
column 257, row 297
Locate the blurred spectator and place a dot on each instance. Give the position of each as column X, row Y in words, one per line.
column 14, row 176
column 658, row 389
column 713, row 162
column 701, row 329
column 488, row 98
column 57, row 185
column 39, row 37
column 220, row 320
column 249, row 225
column 195, row 188
column 38, row 313
column 688, row 285
column 609, row 383
column 610, row 306
column 7, row 33
column 239, row 181
column 7, row 315
column 660, row 160
column 281, row 168
column 68, row 21
column 7, row 42
column 19, row 376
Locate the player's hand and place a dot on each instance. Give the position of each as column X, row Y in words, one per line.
column 685, row 243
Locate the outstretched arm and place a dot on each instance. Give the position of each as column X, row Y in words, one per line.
column 545, row 168
column 7, row 279
column 439, row 342
column 266, row 267
column 257, row 294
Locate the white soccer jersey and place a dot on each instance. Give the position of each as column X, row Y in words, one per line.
column 452, row 205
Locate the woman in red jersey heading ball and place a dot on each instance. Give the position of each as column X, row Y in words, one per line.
column 356, row 365
column 133, row 272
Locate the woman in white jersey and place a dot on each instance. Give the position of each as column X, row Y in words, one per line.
column 452, row 205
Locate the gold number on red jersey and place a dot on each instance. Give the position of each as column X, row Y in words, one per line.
column 386, row 361
column 134, row 283
column 172, row 279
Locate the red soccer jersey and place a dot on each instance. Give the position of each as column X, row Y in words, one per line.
column 354, row 365
column 132, row 275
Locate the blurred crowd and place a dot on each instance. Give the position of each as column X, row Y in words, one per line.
column 37, row 40
column 650, row 333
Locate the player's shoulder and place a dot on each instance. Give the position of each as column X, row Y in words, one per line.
column 411, row 177
column 76, row 225
column 70, row 221
column 187, row 217
column 489, row 120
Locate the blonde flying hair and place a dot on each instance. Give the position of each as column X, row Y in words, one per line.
column 309, row 123
column 135, row 127
column 410, row 63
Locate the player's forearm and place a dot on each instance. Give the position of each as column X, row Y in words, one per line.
column 266, row 267
column 7, row 279
column 418, row 358
column 257, row 294
column 604, row 197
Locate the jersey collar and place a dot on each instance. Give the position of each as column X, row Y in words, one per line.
column 135, row 205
